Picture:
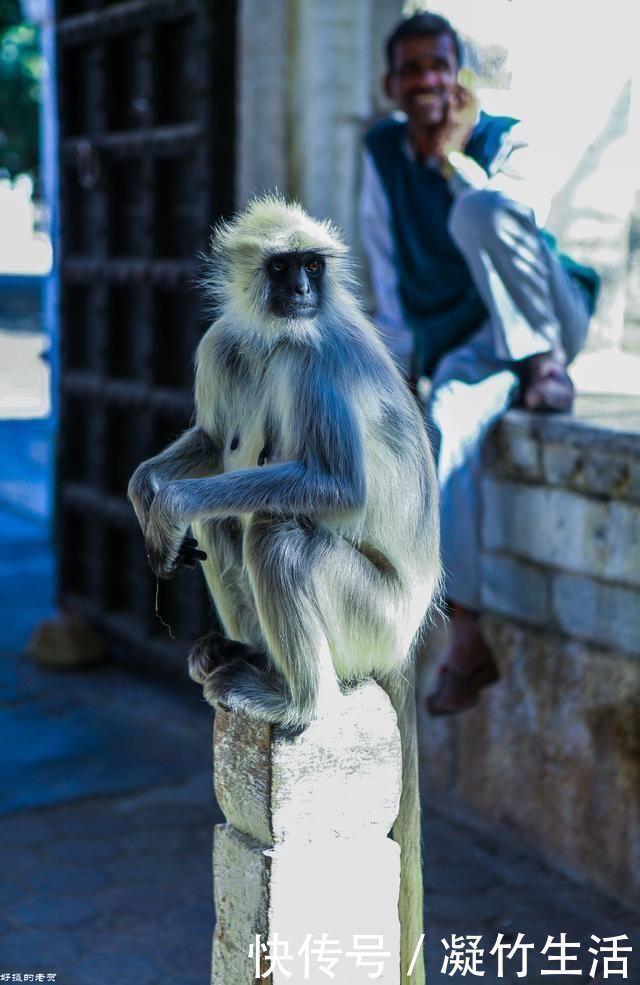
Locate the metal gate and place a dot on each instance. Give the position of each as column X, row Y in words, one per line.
column 146, row 106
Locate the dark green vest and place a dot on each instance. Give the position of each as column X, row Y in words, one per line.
column 438, row 298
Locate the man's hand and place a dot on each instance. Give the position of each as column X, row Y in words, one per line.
column 459, row 122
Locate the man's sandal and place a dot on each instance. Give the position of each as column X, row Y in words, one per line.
column 457, row 692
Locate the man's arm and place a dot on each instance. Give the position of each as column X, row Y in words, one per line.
column 377, row 240
column 516, row 171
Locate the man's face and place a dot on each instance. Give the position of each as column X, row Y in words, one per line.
column 423, row 78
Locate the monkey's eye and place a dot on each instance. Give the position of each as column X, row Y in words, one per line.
column 313, row 266
column 277, row 266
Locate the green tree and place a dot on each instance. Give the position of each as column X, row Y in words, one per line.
column 9, row 13
column 21, row 69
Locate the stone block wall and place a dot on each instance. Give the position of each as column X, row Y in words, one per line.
column 554, row 749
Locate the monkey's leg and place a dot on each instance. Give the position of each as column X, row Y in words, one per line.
column 242, row 641
column 281, row 557
column 227, row 580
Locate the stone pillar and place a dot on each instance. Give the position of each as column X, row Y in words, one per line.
column 261, row 118
column 329, row 106
column 305, row 853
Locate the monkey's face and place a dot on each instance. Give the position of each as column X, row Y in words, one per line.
column 423, row 78
column 295, row 282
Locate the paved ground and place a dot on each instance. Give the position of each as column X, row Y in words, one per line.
column 112, row 889
column 106, row 813
column 116, row 889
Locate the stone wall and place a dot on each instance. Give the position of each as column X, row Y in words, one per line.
column 554, row 749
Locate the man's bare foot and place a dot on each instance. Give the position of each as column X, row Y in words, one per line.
column 547, row 385
column 468, row 666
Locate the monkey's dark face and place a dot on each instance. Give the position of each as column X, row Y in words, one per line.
column 295, row 284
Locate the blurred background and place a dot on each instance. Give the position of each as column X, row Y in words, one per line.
column 127, row 127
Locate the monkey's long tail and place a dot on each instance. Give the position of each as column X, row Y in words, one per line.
column 406, row 830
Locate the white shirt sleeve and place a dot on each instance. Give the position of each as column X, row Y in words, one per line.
column 377, row 241
column 516, row 172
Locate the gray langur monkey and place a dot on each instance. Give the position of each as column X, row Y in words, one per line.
column 309, row 483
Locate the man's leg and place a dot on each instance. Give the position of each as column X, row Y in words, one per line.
column 538, row 314
column 538, row 321
column 471, row 390
column 545, row 386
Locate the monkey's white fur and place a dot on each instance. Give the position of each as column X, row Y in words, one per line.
column 308, row 480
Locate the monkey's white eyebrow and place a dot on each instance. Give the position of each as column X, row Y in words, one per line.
column 310, row 253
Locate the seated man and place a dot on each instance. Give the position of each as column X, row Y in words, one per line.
column 469, row 292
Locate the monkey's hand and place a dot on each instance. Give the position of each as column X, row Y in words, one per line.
column 141, row 492
column 189, row 553
column 165, row 531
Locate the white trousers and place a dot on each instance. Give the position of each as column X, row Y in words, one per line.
column 533, row 306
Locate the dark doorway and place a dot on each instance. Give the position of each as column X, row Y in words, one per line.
column 146, row 104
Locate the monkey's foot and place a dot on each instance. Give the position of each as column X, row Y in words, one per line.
column 214, row 649
column 252, row 691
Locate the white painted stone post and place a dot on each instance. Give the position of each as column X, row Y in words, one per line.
column 304, row 855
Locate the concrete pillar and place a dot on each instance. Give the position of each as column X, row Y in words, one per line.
column 262, row 74
column 304, row 858
column 330, row 103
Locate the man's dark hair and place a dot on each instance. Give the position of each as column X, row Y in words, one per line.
column 421, row 25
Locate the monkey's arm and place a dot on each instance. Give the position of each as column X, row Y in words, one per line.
column 326, row 480
column 193, row 454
